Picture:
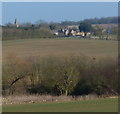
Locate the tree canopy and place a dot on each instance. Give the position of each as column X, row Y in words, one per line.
column 85, row 27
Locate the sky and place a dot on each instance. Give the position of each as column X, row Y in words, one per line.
column 56, row 11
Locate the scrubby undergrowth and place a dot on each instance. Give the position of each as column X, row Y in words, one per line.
column 60, row 76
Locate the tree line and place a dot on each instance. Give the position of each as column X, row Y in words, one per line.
column 26, row 33
column 103, row 20
column 60, row 76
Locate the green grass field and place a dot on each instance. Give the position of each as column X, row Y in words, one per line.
column 101, row 105
column 60, row 47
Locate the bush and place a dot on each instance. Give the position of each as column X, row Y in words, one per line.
column 25, row 33
column 60, row 76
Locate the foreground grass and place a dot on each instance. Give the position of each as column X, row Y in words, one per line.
column 101, row 105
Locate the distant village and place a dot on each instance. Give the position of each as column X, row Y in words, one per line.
column 72, row 31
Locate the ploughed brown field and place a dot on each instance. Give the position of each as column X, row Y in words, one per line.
column 60, row 47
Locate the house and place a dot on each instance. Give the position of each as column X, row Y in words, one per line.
column 67, row 32
column 71, row 31
column 55, row 32
column 73, row 27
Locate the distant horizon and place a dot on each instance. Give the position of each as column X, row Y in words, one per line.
column 55, row 21
column 56, row 11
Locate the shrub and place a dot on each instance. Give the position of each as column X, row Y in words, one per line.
column 60, row 76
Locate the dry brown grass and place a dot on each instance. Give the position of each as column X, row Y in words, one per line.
column 48, row 98
column 43, row 98
column 60, row 47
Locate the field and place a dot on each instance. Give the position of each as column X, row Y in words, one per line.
column 101, row 105
column 60, row 47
